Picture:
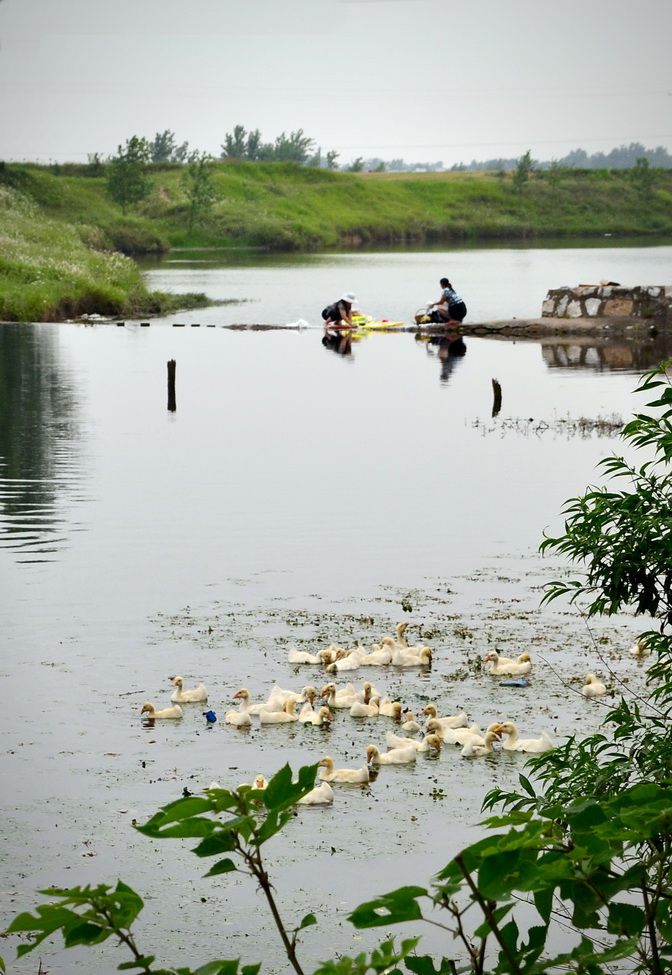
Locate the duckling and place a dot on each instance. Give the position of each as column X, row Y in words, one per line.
column 180, row 696
column 515, row 744
column 320, row 717
column 593, row 687
column 279, row 717
column 395, row 756
column 523, row 665
column 330, row 774
column 472, row 749
column 151, row 712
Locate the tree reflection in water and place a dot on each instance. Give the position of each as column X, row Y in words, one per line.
column 39, row 441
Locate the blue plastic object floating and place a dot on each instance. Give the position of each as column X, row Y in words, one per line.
column 210, row 716
column 515, row 683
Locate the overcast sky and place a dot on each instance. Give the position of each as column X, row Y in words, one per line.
column 424, row 80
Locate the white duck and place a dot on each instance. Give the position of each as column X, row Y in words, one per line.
column 473, row 749
column 259, row 783
column 448, row 721
column 341, row 697
column 330, row 774
column 420, row 744
column 639, row 649
column 523, row 665
column 350, row 662
column 361, row 710
column 399, row 638
column 308, row 715
column 515, row 744
column 322, row 657
column 278, row 697
column 494, row 659
column 242, row 717
column 378, row 657
column 458, row 736
column 390, row 709
column 593, row 687
column 412, row 657
column 279, row 717
column 244, row 695
column 410, row 724
column 321, row 795
column 395, row 756
column 151, row 712
column 180, row 696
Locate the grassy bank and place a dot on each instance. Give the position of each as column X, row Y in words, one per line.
column 284, row 206
column 58, row 222
column 49, row 273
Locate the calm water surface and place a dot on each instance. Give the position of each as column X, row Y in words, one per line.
column 496, row 283
column 295, row 497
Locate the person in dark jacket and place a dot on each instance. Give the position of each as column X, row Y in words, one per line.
column 340, row 313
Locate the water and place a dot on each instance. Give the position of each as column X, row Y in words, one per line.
column 295, row 497
column 496, row 283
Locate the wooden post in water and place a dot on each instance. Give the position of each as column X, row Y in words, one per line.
column 172, row 402
column 497, row 399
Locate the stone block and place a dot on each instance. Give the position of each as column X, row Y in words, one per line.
column 592, row 306
column 548, row 308
column 574, row 309
column 616, row 307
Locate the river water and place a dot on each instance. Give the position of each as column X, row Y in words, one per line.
column 294, row 497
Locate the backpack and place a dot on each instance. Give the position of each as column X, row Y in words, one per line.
column 331, row 312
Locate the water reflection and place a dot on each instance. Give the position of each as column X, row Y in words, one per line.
column 449, row 350
column 637, row 354
column 39, row 442
column 338, row 340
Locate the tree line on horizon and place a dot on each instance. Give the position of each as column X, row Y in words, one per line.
column 248, row 146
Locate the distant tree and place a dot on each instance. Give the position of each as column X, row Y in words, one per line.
column 556, row 171
column 643, row 178
column 253, row 145
column 316, row 160
column 332, row 156
column 357, row 165
column 95, row 164
column 127, row 181
column 292, row 148
column 197, row 179
column 235, row 145
column 523, row 171
column 380, row 168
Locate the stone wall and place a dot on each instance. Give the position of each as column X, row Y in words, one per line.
column 651, row 304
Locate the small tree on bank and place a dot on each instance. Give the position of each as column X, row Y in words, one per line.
column 524, row 170
column 127, row 181
column 197, row 180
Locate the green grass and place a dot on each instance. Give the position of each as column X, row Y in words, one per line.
column 58, row 225
column 47, row 273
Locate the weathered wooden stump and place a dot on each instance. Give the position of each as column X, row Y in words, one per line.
column 172, row 401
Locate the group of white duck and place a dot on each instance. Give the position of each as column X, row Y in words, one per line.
column 310, row 707
column 194, row 695
column 522, row 665
column 392, row 651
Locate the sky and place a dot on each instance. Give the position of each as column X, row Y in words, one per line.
column 421, row 80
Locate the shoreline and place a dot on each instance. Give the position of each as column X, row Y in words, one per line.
column 602, row 327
